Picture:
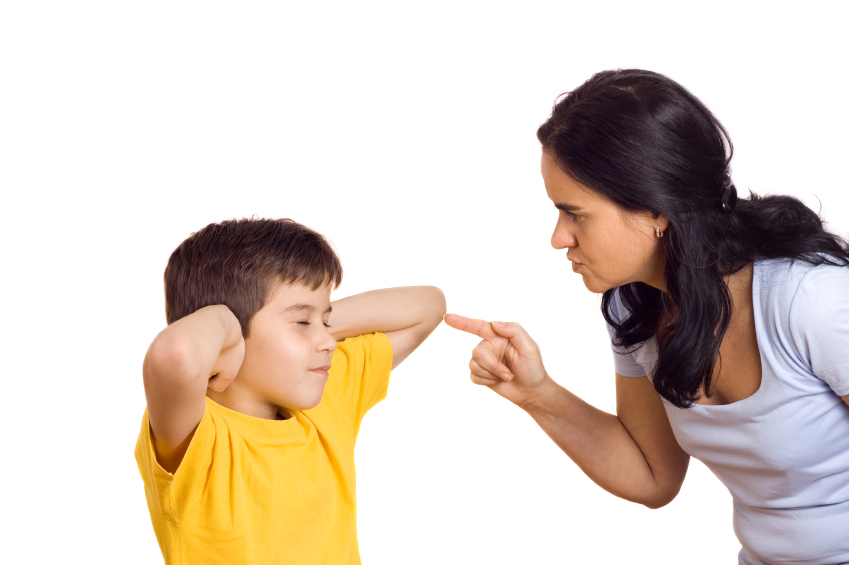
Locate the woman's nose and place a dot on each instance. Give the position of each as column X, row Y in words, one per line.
column 562, row 236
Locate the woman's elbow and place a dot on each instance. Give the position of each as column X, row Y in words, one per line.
column 662, row 498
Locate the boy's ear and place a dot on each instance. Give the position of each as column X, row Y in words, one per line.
column 217, row 383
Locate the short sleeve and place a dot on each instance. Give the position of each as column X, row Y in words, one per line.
column 175, row 495
column 359, row 374
column 819, row 324
column 623, row 362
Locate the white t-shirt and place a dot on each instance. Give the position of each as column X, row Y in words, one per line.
column 783, row 452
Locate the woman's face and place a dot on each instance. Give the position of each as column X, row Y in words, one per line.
column 608, row 246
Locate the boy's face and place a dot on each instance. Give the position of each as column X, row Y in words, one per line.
column 288, row 351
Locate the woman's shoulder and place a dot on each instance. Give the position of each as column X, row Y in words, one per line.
column 789, row 291
column 805, row 310
column 785, row 277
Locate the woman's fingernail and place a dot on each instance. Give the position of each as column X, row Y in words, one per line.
column 499, row 324
column 506, row 376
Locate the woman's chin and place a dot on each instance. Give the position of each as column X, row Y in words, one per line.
column 594, row 285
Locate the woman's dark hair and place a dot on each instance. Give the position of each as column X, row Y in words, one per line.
column 644, row 142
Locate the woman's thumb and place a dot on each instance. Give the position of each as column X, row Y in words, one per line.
column 515, row 333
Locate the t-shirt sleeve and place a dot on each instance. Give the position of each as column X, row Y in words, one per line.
column 819, row 324
column 361, row 367
column 175, row 495
column 623, row 362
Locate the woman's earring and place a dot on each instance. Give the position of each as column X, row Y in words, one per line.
column 658, row 232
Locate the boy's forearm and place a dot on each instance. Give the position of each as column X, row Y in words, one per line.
column 386, row 310
column 191, row 345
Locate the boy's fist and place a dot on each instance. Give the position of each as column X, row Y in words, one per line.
column 227, row 366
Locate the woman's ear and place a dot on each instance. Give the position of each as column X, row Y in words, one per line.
column 658, row 220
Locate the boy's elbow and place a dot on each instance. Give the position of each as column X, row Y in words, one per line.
column 171, row 357
column 439, row 297
column 438, row 307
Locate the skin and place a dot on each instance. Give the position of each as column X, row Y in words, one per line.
column 607, row 246
column 281, row 366
column 633, row 453
column 286, row 355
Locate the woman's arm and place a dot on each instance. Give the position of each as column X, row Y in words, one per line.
column 632, row 454
column 407, row 315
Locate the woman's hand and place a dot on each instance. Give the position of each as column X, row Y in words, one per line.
column 633, row 455
column 507, row 360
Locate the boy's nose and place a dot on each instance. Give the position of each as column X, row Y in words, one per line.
column 328, row 343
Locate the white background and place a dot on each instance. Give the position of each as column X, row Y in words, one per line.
column 406, row 134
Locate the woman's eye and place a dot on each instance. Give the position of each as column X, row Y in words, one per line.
column 573, row 217
column 326, row 325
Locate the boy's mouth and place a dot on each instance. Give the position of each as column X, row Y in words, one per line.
column 321, row 370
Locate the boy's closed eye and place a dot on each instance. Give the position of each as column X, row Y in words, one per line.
column 306, row 323
column 310, row 311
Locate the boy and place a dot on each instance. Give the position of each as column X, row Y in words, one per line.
column 246, row 448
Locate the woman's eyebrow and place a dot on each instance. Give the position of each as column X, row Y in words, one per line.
column 567, row 207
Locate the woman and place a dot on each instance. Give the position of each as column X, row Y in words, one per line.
column 729, row 321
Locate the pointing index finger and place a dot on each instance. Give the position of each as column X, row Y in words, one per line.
column 470, row 325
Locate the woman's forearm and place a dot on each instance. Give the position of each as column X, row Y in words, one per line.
column 601, row 445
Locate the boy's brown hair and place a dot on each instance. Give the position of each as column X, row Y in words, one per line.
column 236, row 262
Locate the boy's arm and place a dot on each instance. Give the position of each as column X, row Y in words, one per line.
column 407, row 315
column 204, row 349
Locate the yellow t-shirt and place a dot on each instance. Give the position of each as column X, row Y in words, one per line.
column 251, row 490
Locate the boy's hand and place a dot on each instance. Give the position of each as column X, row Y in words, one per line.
column 227, row 366
column 507, row 360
